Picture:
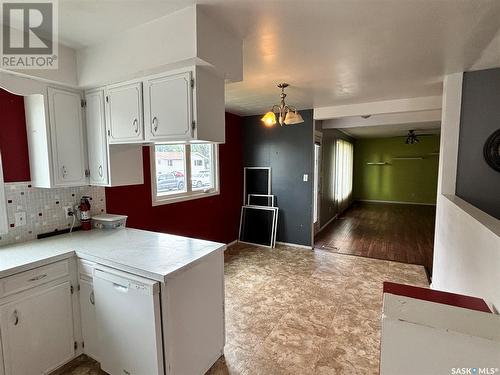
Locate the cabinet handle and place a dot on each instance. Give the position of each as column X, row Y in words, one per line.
column 64, row 171
column 155, row 124
column 16, row 318
column 92, row 298
column 100, row 170
column 39, row 277
column 136, row 124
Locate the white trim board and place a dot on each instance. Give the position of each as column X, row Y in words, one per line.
column 394, row 202
column 423, row 103
column 294, row 245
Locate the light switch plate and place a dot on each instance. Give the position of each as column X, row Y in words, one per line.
column 305, row 178
column 20, row 219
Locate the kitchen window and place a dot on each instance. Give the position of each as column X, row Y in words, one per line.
column 182, row 172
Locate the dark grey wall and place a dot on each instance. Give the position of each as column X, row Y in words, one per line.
column 288, row 150
column 477, row 183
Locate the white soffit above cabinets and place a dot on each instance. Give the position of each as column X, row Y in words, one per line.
column 186, row 37
column 161, row 36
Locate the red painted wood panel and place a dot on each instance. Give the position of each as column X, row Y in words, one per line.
column 13, row 140
column 213, row 218
column 431, row 295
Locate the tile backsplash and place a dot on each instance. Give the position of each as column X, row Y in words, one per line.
column 44, row 208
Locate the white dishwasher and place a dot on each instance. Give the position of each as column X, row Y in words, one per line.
column 128, row 323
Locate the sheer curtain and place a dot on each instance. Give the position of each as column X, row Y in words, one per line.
column 344, row 157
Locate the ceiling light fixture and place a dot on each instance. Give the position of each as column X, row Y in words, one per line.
column 287, row 114
column 411, row 138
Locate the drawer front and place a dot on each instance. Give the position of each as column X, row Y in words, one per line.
column 86, row 268
column 37, row 276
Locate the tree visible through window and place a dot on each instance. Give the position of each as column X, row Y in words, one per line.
column 184, row 171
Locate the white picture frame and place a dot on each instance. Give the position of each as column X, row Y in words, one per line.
column 245, row 169
column 249, row 203
column 274, row 228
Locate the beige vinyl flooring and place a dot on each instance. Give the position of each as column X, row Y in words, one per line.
column 298, row 311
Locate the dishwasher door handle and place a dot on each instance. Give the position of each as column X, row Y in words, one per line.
column 120, row 288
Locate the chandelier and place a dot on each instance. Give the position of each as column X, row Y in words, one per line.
column 287, row 115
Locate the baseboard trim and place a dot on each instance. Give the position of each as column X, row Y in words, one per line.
column 294, row 245
column 394, row 202
column 228, row 245
column 325, row 225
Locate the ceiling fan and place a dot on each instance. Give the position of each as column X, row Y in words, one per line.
column 412, row 137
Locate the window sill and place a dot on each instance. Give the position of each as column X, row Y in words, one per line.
column 185, row 197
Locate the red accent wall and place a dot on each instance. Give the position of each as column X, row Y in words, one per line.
column 13, row 140
column 213, row 218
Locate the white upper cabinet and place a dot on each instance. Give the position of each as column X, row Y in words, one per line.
column 109, row 164
column 124, row 104
column 68, row 142
column 185, row 106
column 208, row 106
column 56, row 142
column 168, row 107
column 96, row 138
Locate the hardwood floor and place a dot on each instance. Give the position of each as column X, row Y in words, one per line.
column 397, row 232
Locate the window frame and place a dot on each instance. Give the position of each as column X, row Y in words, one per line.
column 189, row 194
column 4, row 222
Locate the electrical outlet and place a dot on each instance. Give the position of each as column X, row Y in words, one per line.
column 68, row 211
column 305, row 178
column 20, row 219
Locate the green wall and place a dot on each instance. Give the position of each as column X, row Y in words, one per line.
column 400, row 180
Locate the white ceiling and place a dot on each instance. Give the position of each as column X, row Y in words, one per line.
column 86, row 22
column 330, row 51
column 397, row 130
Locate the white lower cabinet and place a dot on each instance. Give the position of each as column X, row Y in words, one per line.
column 88, row 318
column 130, row 324
column 37, row 330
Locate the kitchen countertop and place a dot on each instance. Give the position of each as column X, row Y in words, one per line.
column 149, row 254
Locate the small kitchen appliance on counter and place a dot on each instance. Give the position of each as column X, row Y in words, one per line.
column 109, row 221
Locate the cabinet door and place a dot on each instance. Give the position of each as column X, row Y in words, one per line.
column 96, row 138
column 37, row 331
column 68, row 143
column 169, row 107
column 88, row 318
column 125, row 113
